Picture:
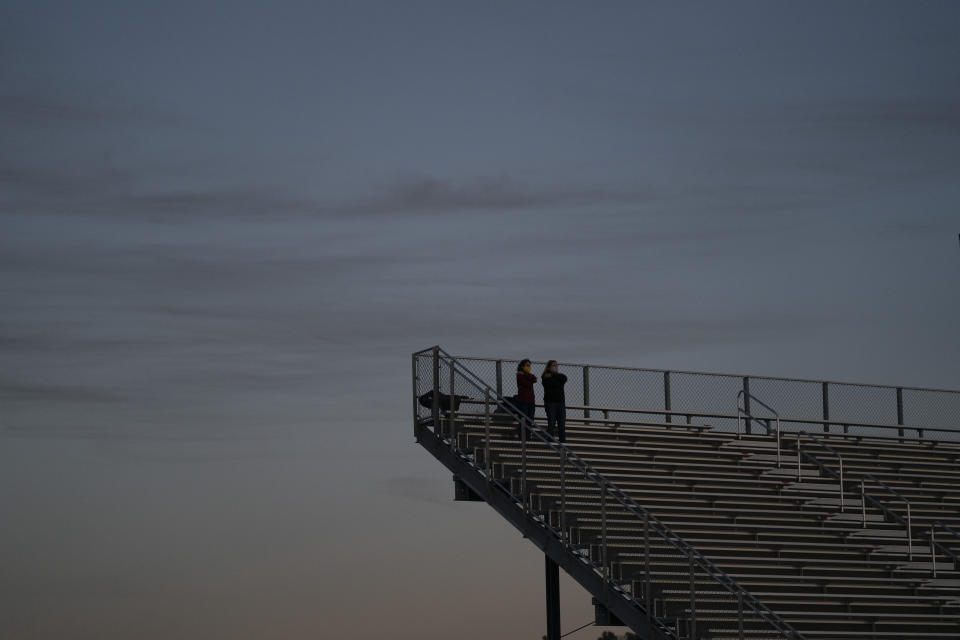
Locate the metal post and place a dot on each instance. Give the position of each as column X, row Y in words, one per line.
column 563, row 494
column 416, row 417
column 586, row 391
column 778, row 441
column 740, row 614
column 841, row 484
column 863, row 503
column 693, row 602
column 523, row 461
column 646, row 565
column 603, row 527
column 933, row 553
column 746, row 401
column 909, row 535
column 666, row 394
column 552, row 572
column 798, row 456
column 900, row 409
column 826, row 407
column 435, row 405
column 486, row 434
column 499, row 377
column 453, row 410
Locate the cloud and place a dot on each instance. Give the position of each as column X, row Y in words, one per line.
column 427, row 194
column 23, row 110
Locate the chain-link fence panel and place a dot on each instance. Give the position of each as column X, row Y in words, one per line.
column 924, row 407
column 705, row 393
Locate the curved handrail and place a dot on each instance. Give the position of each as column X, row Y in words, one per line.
column 630, row 505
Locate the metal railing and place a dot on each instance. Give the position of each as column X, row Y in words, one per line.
column 831, row 450
column 856, row 410
column 743, row 411
column 610, row 496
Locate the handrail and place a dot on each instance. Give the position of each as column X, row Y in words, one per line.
column 908, row 522
column 801, row 453
column 864, row 497
column 899, row 400
column 717, row 574
column 715, row 373
column 742, row 412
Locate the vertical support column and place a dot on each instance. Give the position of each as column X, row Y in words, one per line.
column 500, row 378
column 553, row 598
column 826, row 407
column 586, row 390
column 666, row 395
column 900, row 410
column 746, row 401
column 435, row 405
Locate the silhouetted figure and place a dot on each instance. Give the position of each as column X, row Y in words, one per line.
column 554, row 400
column 526, row 402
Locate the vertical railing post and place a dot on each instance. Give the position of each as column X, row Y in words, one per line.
column 909, row 534
column 826, row 407
column 603, row 532
column 523, row 461
column 453, row 407
column 500, row 378
column 933, row 552
column 416, row 399
column 900, row 410
column 740, row 613
column 841, row 484
column 435, row 405
column 693, row 600
column 586, row 391
column 563, row 494
column 746, row 402
column 486, row 435
column 863, row 503
column 646, row 565
column 778, row 441
column 798, row 456
column 666, row 395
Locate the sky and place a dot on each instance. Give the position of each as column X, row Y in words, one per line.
column 224, row 227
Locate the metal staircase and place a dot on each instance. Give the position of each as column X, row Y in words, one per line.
column 683, row 527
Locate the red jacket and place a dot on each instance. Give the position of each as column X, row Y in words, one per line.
column 525, row 387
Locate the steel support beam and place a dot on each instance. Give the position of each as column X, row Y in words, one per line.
column 553, row 598
column 632, row 616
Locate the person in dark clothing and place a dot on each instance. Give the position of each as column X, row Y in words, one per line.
column 554, row 400
column 526, row 401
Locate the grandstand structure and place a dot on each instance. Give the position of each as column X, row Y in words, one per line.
column 697, row 506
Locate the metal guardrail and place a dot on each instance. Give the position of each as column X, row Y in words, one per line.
column 837, row 407
column 608, row 492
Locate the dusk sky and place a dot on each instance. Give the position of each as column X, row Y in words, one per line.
column 224, row 227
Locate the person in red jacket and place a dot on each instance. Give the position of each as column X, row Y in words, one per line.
column 526, row 402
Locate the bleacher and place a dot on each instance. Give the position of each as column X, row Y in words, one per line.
column 682, row 527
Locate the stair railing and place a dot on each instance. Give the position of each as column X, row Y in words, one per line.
column 908, row 523
column 934, row 545
column 566, row 456
column 743, row 413
column 823, row 467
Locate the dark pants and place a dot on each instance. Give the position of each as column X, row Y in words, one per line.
column 526, row 409
column 557, row 419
